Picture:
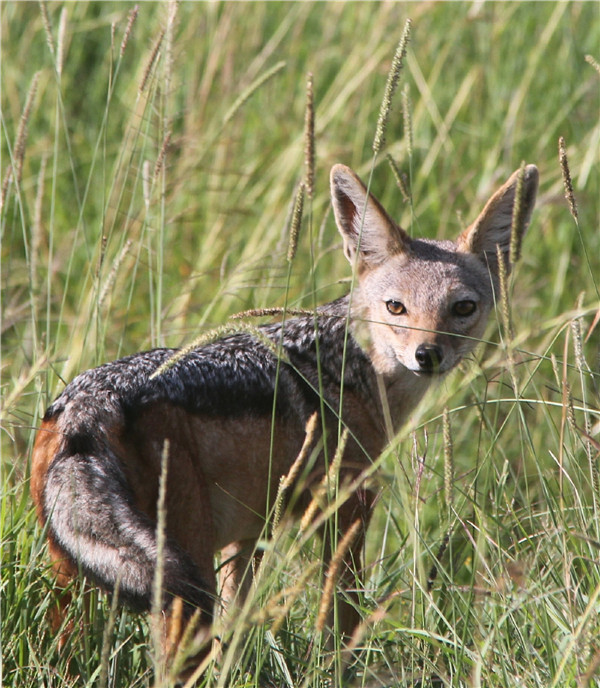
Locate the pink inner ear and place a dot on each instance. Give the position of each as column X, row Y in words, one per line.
column 493, row 226
column 362, row 219
column 353, row 217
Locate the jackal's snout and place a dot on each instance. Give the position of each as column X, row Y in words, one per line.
column 429, row 358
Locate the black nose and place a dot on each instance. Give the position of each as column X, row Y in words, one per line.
column 429, row 357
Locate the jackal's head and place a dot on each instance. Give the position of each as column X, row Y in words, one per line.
column 423, row 304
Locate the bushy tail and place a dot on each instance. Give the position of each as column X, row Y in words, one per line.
column 92, row 517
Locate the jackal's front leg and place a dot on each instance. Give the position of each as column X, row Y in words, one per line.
column 238, row 563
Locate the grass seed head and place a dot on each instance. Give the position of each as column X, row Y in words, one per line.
column 60, row 46
column 128, row 29
column 517, row 227
column 504, row 305
column 333, row 573
column 151, row 60
column 162, row 154
column 21, row 138
column 47, row 25
column 309, row 138
column 390, row 89
column 296, row 223
column 566, row 173
column 591, row 61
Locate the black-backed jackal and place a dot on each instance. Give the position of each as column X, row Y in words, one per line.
column 418, row 307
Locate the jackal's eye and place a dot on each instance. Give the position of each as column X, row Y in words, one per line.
column 395, row 307
column 464, row 308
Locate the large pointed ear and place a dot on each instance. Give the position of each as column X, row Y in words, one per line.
column 493, row 226
column 363, row 223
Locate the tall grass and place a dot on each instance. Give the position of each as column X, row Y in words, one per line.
column 149, row 167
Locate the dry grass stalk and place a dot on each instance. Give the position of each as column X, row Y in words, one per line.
column 189, row 642
column 286, row 481
column 183, row 640
column 591, row 673
column 333, row 573
column 309, row 439
column 593, row 326
column 360, row 631
column 309, row 138
column 390, row 88
column 264, row 312
column 296, row 223
column 583, row 368
column 570, row 408
column 555, row 370
column 407, row 120
column 161, row 525
column 112, row 275
column 448, row 461
column 276, row 609
column 107, row 636
column 103, row 244
column 175, row 624
column 566, row 173
column 130, row 22
column 5, row 184
column 212, row 336
column 146, row 184
column 161, row 534
column 327, row 485
column 582, row 365
column 560, row 380
column 36, row 227
column 506, row 316
column 401, row 179
column 309, row 514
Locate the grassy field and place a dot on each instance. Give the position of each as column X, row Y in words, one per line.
column 148, row 171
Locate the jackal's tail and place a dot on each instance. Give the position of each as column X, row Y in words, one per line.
column 92, row 518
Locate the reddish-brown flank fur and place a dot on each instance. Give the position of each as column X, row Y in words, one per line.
column 47, row 443
column 46, row 447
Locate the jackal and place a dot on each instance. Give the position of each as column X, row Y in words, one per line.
column 234, row 411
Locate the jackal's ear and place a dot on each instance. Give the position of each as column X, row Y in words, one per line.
column 363, row 223
column 493, row 226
